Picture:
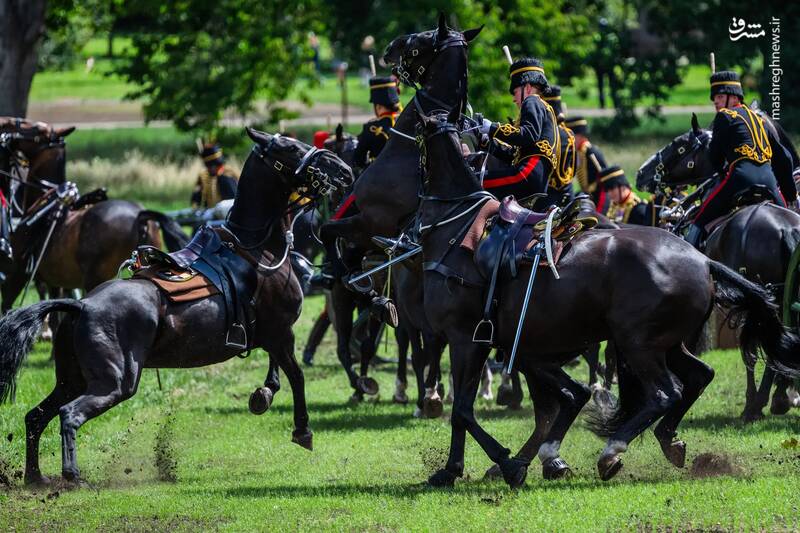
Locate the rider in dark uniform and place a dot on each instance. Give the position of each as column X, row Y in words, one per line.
column 531, row 145
column 589, row 162
column 216, row 182
column 375, row 133
column 560, row 192
column 373, row 137
column 741, row 148
column 626, row 207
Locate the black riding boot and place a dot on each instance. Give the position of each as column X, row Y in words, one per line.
column 303, row 270
column 6, row 254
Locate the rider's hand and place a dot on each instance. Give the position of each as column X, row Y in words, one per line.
column 485, row 126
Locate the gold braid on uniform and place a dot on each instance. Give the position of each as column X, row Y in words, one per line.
column 622, row 212
column 582, row 168
column 761, row 151
column 209, row 191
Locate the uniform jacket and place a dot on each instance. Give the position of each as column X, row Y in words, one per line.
column 373, row 137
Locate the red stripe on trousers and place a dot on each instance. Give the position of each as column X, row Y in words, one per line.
column 601, row 201
column 3, row 200
column 516, row 178
column 714, row 192
column 344, row 207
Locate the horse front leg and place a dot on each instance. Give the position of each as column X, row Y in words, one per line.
column 261, row 398
column 284, row 353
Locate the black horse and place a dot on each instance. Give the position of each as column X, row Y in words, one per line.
column 124, row 326
column 755, row 240
column 675, row 288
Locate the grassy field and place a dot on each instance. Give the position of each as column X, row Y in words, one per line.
column 235, row 471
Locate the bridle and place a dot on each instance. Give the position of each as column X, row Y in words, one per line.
column 18, row 162
column 415, row 64
column 318, row 184
column 664, row 163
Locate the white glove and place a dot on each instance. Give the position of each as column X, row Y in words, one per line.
column 485, row 126
column 797, row 205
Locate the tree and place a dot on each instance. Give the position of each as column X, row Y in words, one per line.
column 22, row 24
column 200, row 58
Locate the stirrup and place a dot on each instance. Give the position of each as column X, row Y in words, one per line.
column 240, row 333
column 477, row 338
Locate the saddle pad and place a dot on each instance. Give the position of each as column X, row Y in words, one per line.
column 475, row 232
column 194, row 287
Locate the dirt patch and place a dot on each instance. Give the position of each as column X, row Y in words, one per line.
column 166, row 461
column 433, row 458
column 712, row 465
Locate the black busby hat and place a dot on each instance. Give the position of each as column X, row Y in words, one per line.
column 527, row 70
column 383, row 91
column 613, row 176
column 552, row 95
column 578, row 125
column 726, row 82
column 212, row 154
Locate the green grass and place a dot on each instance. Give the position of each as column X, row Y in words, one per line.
column 239, row 472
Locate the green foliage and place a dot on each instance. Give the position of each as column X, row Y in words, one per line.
column 69, row 25
column 199, row 59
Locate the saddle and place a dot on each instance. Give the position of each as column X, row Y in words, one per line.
column 510, row 240
column 753, row 195
column 90, row 198
column 208, row 256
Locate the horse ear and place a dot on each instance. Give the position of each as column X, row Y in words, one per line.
column 469, row 35
column 63, row 132
column 695, row 124
column 258, row 136
column 339, row 132
column 442, row 25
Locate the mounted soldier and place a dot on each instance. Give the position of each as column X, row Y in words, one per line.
column 375, row 133
column 589, row 162
column 567, row 157
column 625, row 205
column 745, row 154
column 216, row 182
column 531, row 146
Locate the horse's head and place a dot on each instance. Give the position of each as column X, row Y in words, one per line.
column 414, row 56
column 683, row 161
column 298, row 167
column 37, row 145
column 439, row 139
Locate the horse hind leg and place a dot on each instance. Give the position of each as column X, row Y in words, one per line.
column 695, row 376
column 403, row 338
column 647, row 392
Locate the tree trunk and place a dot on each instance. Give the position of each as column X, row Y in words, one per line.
column 21, row 27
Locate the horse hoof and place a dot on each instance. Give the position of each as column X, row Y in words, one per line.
column 609, row 466
column 400, row 398
column 432, row 407
column 514, row 471
column 675, row 452
column 442, row 478
column 780, row 404
column 505, row 395
column 304, row 438
column 367, row 385
column 555, row 468
column 37, row 480
column 260, row 400
column 356, row 398
column 494, row 472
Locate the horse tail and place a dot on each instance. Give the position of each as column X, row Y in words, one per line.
column 751, row 306
column 18, row 331
column 605, row 419
column 174, row 237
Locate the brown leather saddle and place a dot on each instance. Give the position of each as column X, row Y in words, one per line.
column 512, row 239
column 232, row 275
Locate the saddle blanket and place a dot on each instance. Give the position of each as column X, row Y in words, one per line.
column 178, row 287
